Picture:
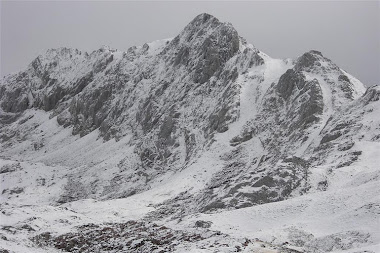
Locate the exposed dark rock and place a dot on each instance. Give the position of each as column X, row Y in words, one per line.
column 288, row 81
column 339, row 241
column 16, row 190
column 14, row 100
column 213, row 206
column 216, row 50
column 132, row 236
column 245, row 136
column 322, row 185
column 203, row 224
column 218, row 122
column 308, row 60
column 82, row 83
column 330, row 137
column 343, row 78
column 73, row 190
column 349, row 159
column 9, row 118
column 10, row 168
column 309, row 111
column 371, row 95
column 346, row 146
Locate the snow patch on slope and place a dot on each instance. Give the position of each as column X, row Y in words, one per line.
column 254, row 84
column 157, row 46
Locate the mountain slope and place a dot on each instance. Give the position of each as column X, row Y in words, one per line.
column 184, row 129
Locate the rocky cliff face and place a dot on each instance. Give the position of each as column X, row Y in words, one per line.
column 172, row 95
column 238, row 128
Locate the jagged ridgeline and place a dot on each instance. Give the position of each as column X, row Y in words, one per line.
column 200, row 123
column 157, row 92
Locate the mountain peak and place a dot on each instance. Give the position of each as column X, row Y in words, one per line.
column 315, row 52
column 309, row 59
column 203, row 25
column 204, row 46
column 200, row 24
column 204, row 18
column 340, row 84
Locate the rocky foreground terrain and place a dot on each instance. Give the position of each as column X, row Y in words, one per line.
column 198, row 143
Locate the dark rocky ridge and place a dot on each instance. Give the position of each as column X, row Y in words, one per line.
column 154, row 96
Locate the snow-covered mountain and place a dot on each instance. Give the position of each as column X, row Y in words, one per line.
column 197, row 143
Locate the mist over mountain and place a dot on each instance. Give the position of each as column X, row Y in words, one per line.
column 197, row 143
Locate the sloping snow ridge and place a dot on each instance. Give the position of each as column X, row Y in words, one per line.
column 197, row 143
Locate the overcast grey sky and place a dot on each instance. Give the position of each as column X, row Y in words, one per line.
column 346, row 32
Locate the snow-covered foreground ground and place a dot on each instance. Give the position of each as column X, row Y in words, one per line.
column 316, row 222
column 312, row 220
